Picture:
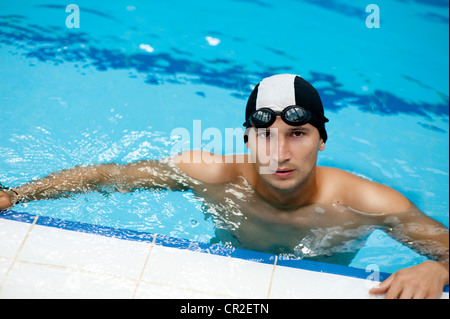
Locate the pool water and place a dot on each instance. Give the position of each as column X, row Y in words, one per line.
column 115, row 88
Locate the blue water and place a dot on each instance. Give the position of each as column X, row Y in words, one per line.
column 114, row 89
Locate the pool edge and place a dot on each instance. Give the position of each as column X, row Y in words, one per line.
column 215, row 249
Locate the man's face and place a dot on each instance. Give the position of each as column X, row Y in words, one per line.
column 285, row 156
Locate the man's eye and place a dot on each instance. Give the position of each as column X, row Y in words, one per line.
column 265, row 134
column 297, row 134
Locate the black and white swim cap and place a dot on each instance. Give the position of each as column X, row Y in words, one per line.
column 280, row 91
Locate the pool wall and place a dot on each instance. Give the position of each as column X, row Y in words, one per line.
column 43, row 257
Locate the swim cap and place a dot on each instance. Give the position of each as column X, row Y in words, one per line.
column 280, row 91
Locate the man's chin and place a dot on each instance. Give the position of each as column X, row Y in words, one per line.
column 282, row 185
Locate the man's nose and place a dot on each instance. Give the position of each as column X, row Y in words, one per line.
column 284, row 153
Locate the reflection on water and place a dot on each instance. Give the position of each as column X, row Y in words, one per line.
column 49, row 44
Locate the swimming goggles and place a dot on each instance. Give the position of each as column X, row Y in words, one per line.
column 292, row 115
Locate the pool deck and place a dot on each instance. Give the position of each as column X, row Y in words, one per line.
column 42, row 257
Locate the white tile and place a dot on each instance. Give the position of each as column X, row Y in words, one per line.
column 161, row 291
column 303, row 284
column 12, row 234
column 56, row 263
column 208, row 273
column 105, row 255
column 38, row 281
column 5, row 263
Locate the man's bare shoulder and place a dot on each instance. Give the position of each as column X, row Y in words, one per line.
column 212, row 168
column 360, row 193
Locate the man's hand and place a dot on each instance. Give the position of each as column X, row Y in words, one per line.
column 424, row 281
column 5, row 200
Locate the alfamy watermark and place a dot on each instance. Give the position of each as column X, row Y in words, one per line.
column 73, row 19
column 373, row 279
column 373, row 19
column 262, row 144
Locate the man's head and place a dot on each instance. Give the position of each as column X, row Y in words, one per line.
column 286, row 129
column 281, row 91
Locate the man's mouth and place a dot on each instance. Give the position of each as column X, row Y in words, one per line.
column 284, row 172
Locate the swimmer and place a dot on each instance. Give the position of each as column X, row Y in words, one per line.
column 287, row 205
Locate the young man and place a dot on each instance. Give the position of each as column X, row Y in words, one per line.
column 277, row 200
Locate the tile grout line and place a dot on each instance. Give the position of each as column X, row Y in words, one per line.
column 145, row 266
column 16, row 256
column 271, row 277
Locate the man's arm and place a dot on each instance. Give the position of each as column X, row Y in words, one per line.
column 106, row 177
column 408, row 225
column 429, row 238
column 178, row 173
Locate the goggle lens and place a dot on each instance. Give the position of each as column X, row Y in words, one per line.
column 292, row 115
column 261, row 118
column 295, row 115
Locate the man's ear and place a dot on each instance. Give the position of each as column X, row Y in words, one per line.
column 322, row 145
column 247, row 130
